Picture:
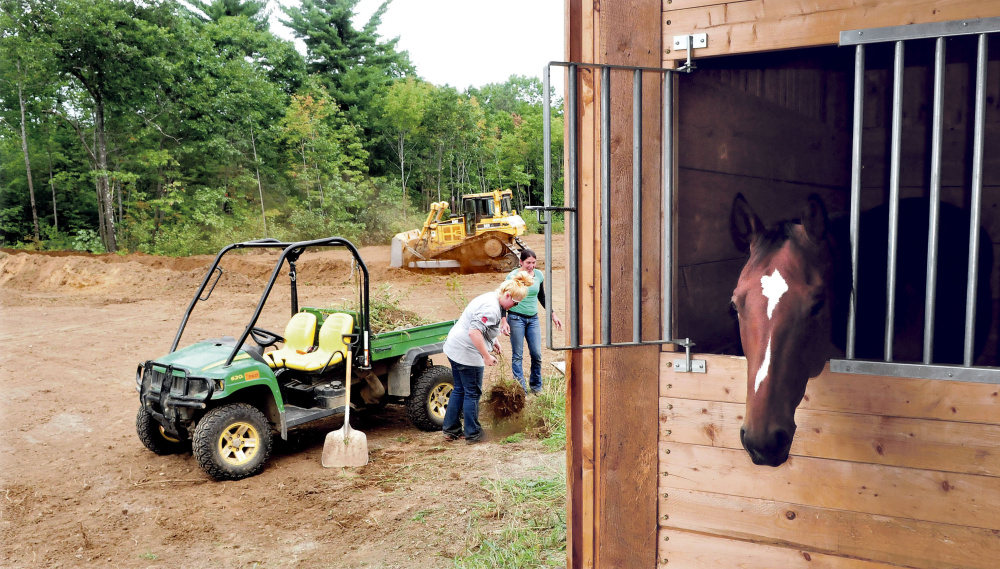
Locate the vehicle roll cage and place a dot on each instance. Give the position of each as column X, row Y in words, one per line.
column 291, row 253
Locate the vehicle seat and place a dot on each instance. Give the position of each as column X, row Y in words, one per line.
column 331, row 345
column 299, row 335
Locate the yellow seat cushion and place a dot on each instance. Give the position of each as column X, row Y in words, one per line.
column 332, row 347
column 299, row 335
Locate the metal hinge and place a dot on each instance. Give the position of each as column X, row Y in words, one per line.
column 687, row 365
column 697, row 366
column 689, row 42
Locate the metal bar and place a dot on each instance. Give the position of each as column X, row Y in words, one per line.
column 637, row 206
column 977, row 198
column 606, row 205
column 859, row 103
column 897, row 128
column 933, row 216
column 547, row 196
column 920, row 31
column 917, row 371
column 667, row 270
column 610, row 66
column 573, row 185
column 624, row 344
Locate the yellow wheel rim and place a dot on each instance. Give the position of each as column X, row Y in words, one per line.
column 437, row 401
column 238, row 443
column 168, row 437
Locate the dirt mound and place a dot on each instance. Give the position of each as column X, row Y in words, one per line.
column 34, row 272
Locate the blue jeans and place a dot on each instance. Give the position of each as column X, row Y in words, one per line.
column 526, row 328
column 464, row 400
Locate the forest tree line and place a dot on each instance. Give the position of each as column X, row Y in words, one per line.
column 175, row 128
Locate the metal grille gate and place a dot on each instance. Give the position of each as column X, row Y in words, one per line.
column 898, row 35
column 572, row 224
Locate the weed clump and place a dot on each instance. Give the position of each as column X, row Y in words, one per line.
column 505, row 399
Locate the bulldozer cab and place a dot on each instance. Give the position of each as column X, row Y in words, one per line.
column 477, row 207
column 474, row 209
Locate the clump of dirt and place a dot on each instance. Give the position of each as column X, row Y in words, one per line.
column 505, row 399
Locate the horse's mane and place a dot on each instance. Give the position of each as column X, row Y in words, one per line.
column 772, row 240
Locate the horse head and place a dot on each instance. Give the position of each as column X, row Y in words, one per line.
column 789, row 298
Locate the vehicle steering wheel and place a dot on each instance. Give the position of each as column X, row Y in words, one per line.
column 264, row 338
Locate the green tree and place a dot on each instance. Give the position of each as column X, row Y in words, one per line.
column 253, row 10
column 113, row 49
column 23, row 79
column 353, row 64
column 403, row 108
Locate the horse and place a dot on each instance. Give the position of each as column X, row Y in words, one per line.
column 793, row 296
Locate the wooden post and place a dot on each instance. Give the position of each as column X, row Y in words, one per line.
column 612, row 407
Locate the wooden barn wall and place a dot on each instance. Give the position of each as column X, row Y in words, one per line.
column 884, row 472
column 750, row 26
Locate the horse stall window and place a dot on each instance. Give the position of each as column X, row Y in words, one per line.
column 778, row 127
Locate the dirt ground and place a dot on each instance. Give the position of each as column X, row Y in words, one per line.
column 78, row 489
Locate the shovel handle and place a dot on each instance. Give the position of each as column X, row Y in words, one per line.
column 347, row 406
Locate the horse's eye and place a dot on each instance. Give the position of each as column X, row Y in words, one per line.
column 817, row 307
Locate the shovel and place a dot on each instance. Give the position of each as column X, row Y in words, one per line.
column 345, row 446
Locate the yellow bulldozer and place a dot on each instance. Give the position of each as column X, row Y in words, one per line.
column 485, row 237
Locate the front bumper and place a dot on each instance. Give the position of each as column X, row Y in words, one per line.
column 171, row 395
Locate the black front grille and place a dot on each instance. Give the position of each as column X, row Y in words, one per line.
column 166, row 386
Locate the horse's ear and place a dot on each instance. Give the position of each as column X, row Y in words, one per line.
column 814, row 218
column 744, row 224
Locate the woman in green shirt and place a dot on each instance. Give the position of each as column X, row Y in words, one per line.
column 521, row 323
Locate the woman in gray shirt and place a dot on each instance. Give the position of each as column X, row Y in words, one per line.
column 468, row 348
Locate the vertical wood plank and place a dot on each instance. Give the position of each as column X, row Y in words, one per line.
column 626, row 387
column 588, row 166
column 574, row 460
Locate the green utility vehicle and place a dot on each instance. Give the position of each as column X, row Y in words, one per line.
column 222, row 398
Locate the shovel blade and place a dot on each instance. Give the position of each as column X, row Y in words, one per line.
column 342, row 449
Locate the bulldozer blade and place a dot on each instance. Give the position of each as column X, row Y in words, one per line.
column 344, row 450
column 435, row 264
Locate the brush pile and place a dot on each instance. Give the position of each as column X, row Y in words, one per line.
column 385, row 313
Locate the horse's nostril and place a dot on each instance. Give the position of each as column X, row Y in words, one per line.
column 743, row 434
column 782, row 439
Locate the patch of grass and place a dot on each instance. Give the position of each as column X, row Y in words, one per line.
column 515, row 438
column 149, row 555
column 532, row 532
column 455, row 293
column 421, row 516
column 545, row 414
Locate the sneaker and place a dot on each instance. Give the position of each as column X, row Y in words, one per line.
column 474, row 441
column 449, row 437
column 535, row 392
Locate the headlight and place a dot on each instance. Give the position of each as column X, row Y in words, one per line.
column 197, row 386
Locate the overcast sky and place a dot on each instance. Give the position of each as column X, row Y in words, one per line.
column 466, row 43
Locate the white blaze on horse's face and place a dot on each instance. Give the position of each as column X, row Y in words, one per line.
column 762, row 372
column 772, row 286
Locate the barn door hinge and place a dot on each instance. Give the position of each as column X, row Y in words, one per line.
column 689, row 42
column 687, row 365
